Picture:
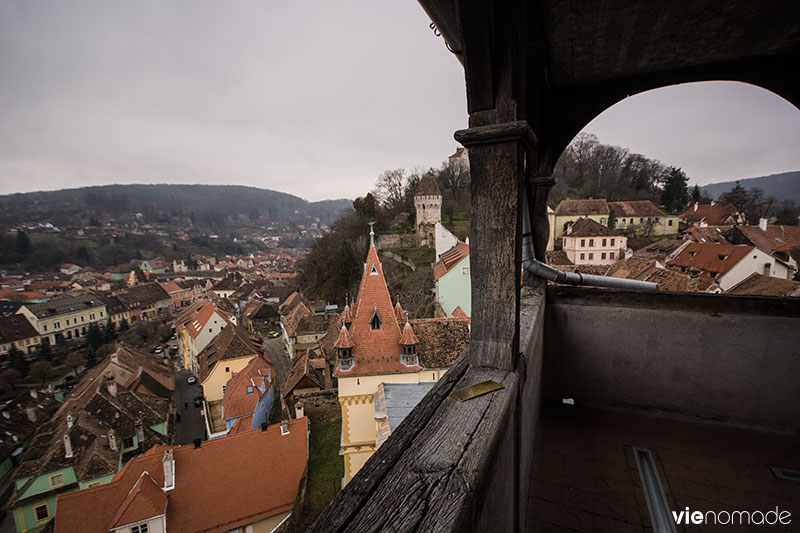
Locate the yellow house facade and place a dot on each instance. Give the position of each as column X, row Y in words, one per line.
column 570, row 211
column 67, row 317
column 359, row 427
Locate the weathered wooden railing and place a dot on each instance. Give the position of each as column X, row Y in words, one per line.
column 451, row 465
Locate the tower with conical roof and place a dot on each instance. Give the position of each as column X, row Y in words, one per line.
column 428, row 206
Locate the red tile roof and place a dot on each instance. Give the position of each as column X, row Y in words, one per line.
column 408, row 337
column 344, row 340
column 582, row 207
column 710, row 258
column 241, row 392
column 450, row 259
column 635, row 208
column 586, row 227
column 427, row 187
column 756, row 284
column 715, row 234
column 145, row 500
column 713, row 215
column 207, row 496
column 375, row 351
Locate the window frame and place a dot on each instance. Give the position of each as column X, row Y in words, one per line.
column 36, row 508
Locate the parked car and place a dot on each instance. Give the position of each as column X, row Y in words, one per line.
column 191, row 380
column 158, row 349
column 273, row 334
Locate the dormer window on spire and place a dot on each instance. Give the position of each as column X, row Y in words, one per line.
column 375, row 321
column 346, row 360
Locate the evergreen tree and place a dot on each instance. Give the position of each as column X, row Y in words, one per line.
column 23, row 244
column 91, row 356
column 612, row 219
column 110, row 332
column 696, row 196
column 675, row 195
column 45, row 352
column 17, row 360
column 94, row 336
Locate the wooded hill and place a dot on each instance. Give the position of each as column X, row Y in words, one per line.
column 783, row 186
column 212, row 204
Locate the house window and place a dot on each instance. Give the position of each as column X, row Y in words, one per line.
column 656, row 220
column 227, row 369
column 375, row 321
column 611, row 255
column 127, row 442
column 641, row 220
column 669, row 223
column 591, row 256
column 42, row 513
column 591, row 243
column 612, row 242
column 604, row 242
column 583, row 243
column 57, row 480
column 583, row 256
column 465, row 271
column 141, row 528
column 603, row 221
column 44, row 327
column 92, row 316
column 767, row 268
column 83, row 319
column 93, row 484
column 603, row 255
column 346, row 359
column 68, row 321
column 101, row 314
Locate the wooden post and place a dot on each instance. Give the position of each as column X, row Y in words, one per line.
column 497, row 164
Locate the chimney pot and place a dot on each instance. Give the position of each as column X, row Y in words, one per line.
column 31, row 412
column 197, row 442
column 762, row 223
column 284, row 427
column 169, row 470
column 67, row 446
column 34, row 394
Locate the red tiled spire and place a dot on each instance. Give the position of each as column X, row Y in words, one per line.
column 346, row 314
column 398, row 312
column 408, row 338
column 344, row 340
column 378, row 350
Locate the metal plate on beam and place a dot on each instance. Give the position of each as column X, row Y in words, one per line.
column 473, row 391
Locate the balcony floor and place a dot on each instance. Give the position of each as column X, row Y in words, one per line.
column 585, row 476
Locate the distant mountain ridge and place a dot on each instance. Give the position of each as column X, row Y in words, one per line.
column 221, row 199
column 783, row 186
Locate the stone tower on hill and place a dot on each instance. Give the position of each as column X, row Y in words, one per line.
column 428, row 205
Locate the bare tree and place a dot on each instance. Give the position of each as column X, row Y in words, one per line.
column 455, row 174
column 74, row 361
column 390, row 189
column 39, row 371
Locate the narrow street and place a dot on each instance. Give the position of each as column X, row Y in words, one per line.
column 279, row 357
column 191, row 424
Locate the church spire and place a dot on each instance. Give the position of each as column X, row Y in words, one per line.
column 371, row 235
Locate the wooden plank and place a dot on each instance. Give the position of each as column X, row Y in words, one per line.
column 434, row 484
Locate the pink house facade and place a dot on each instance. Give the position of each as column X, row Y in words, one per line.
column 588, row 243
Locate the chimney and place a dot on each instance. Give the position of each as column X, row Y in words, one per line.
column 284, row 427
column 6, row 415
column 31, row 412
column 762, row 223
column 140, row 432
column 69, row 421
column 115, row 357
column 112, row 439
column 298, row 410
column 263, row 426
column 197, row 442
column 34, row 394
column 169, row 470
column 713, row 203
column 111, row 383
column 695, row 207
column 67, row 446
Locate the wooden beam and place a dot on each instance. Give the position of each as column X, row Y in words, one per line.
column 497, row 161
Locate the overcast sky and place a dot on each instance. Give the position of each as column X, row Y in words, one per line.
column 313, row 98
